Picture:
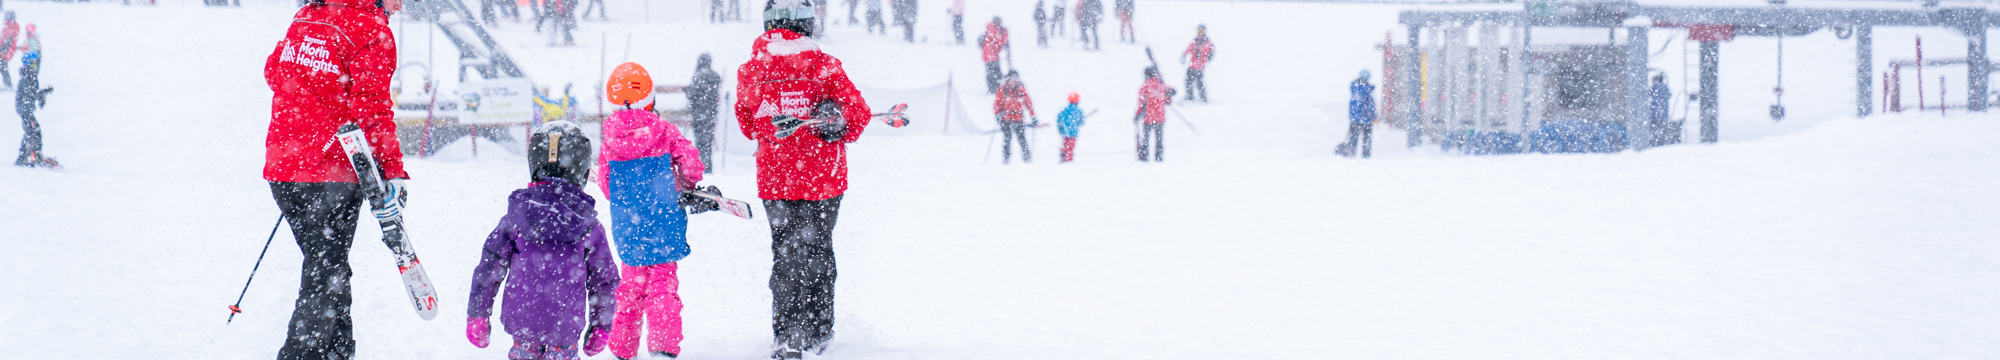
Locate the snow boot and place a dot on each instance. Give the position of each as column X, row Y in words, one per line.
column 663, row 354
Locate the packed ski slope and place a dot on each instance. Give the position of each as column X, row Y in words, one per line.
column 1821, row 237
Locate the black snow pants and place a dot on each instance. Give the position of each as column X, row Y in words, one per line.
column 31, row 140
column 802, row 271
column 992, row 76
column 1360, row 138
column 958, row 28
column 323, row 217
column 1158, row 140
column 704, row 137
column 1090, row 36
column 1197, row 83
column 1010, row 131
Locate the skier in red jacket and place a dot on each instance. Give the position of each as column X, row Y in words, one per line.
column 1154, row 97
column 1197, row 56
column 802, row 177
column 332, row 68
column 990, row 46
column 1012, row 107
column 7, row 46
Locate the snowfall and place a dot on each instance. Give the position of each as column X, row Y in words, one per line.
column 1820, row 236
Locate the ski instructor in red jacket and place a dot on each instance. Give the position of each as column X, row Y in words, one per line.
column 801, row 177
column 332, row 68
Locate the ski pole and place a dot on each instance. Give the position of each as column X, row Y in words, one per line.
column 235, row 309
column 989, row 149
column 1184, row 120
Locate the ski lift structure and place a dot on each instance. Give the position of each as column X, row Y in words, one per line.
column 1477, row 81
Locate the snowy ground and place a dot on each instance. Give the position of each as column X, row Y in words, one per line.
column 1821, row 237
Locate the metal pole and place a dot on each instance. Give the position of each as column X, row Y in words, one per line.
column 1638, row 130
column 1977, row 71
column 1864, row 70
column 1920, row 75
column 1711, row 57
column 237, row 308
column 1413, row 120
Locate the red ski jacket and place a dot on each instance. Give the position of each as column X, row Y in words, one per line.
column 332, row 68
column 8, row 47
column 1153, row 101
column 787, row 74
column 1012, row 102
column 994, row 41
column 1199, row 52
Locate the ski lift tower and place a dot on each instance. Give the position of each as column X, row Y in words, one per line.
column 1432, row 103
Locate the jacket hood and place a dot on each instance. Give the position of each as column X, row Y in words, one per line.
column 553, row 211
column 782, row 42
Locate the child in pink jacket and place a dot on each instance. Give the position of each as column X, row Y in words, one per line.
column 643, row 167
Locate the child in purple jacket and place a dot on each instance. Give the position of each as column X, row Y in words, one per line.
column 551, row 253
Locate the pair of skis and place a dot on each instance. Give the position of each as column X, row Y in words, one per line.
column 788, row 125
column 416, row 283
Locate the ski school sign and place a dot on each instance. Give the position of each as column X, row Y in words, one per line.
column 497, row 101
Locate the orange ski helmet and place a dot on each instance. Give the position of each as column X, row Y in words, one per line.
column 1073, row 97
column 629, row 85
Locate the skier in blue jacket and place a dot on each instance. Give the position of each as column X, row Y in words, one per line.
column 1067, row 123
column 1360, row 116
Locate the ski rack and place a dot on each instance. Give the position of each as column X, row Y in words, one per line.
column 462, row 27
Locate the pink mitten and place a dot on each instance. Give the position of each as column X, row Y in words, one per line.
column 477, row 330
column 595, row 342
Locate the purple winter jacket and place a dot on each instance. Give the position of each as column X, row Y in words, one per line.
column 551, row 252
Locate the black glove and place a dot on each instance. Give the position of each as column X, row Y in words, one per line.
column 696, row 204
column 832, row 126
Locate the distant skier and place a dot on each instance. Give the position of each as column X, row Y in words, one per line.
column 1089, row 13
column 906, row 16
column 1012, row 107
column 644, row 168
column 595, row 5
column 1125, row 30
column 851, row 6
column 990, row 45
column 1361, row 117
column 551, row 252
column 1056, row 19
column 1197, row 56
column 957, row 11
column 875, row 17
column 802, row 178
column 8, row 46
column 332, row 68
column 704, row 94
column 29, row 97
column 1041, row 25
column 1154, row 97
column 1068, row 122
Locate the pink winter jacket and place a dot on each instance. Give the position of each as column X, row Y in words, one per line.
column 637, row 133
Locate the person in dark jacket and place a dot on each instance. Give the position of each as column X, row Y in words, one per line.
column 552, row 255
column 1041, row 25
column 704, row 94
column 1361, row 117
column 905, row 16
column 1089, row 13
column 29, row 97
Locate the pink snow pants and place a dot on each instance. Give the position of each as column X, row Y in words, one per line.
column 648, row 294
